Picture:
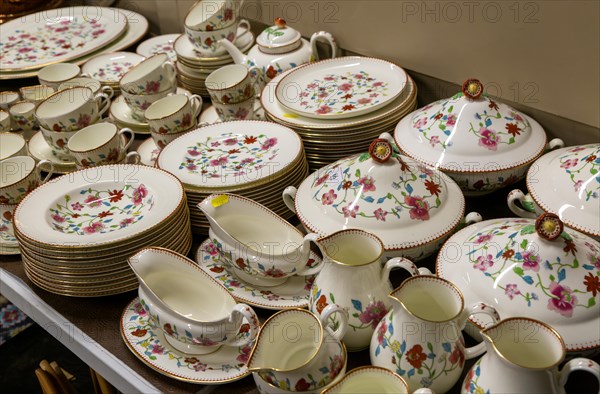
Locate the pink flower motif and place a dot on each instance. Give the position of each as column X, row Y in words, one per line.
column 324, row 109
column 94, row 228
column 245, row 354
column 211, row 249
column 215, row 144
column 329, row 78
column 577, row 185
column 221, row 161
column 368, row 184
column 125, row 222
column 145, row 105
column 84, row 120
column 323, row 94
column 202, row 341
column 511, row 291
column 230, row 141
column 152, row 87
column 193, row 152
column 24, row 50
column 200, row 367
column 380, row 214
column 242, row 113
column 57, row 218
column 451, row 120
column 231, row 36
column 93, row 201
column 98, row 32
column 77, row 206
column 235, row 283
column 269, row 143
column 345, row 87
column 434, row 140
column 569, row 163
column 377, row 84
column 420, row 207
column 594, row 260
column 335, row 366
column 275, row 272
column 484, row 262
column 531, row 261
column 328, row 198
column 350, row 211
column 247, row 161
column 381, row 333
column 373, row 314
column 364, row 101
column 158, row 349
column 563, row 301
column 312, row 85
column 358, row 76
column 577, row 149
column 421, row 123
column 488, row 139
column 483, row 238
column 516, row 116
column 139, row 194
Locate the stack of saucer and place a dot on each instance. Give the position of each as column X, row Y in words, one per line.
column 309, row 100
column 193, row 67
column 109, row 68
column 254, row 159
column 76, row 232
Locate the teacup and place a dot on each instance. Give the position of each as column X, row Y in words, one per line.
column 173, row 114
column 88, row 82
column 211, row 15
column 4, row 120
column 71, row 109
column 139, row 103
column 19, row 175
column 162, row 140
column 58, row 141
column 232, row 84
column 99, row 144
column 8, row 98
column 12, row 144
column 153, row 75
column 7, row 231
column 238, row 111
column 37, row 93
column 55, row 74
column 23, row 115
column 370, row 379
column 207, row 42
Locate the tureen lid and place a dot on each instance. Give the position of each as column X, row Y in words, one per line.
column 529, row 267
column 470, row 132
column 567, row 182
column 403, row 202
column 279, row 38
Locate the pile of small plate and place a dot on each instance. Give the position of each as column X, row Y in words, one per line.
column 77, row 231
column 254, row 159
column 75, row 35
column 339, row 106
column 193, row 68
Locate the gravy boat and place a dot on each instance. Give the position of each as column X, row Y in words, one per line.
column 195, row 312
column 261, row 247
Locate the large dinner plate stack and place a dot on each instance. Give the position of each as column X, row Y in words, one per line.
column 254, row 159
column 193, row 67
column 339, row 106
column 77, row 231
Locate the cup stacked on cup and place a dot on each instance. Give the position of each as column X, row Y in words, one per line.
column 148, row 82
column 232, row 90
column 172, row 116
column 100, row 144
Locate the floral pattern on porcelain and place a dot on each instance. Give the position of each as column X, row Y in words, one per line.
column 470, row 385
column 9, row 196
column 581, row 164
column 234, row 111
column 175, row 126
column 141, row 326
column 539, row 281
column 243, row 93
column 164, row 47
column 271, row 70
column 94, row 211
column 112, row 71
column 309, row 382
column 51, row 41
column 353, row 194
column 231, row 154
column 224, row 19
column 479, row 183
column 28, row 122
column 414, row 362
column 98, row 159
column 6, row 227
column 210, row 44
column 75, row 124
column 490, row 127
column 150, row 87
column 336, row 94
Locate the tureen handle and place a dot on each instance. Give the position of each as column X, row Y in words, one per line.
column 476, row 308
column 253, row 325
column 579, row 364
column 388, row 137
column 289, row 198
column 555, row 143
column 472, row 218
column 329, row 310
column 322, row 36
column 513, row 197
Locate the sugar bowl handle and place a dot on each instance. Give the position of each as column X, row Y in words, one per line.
column 477, row 308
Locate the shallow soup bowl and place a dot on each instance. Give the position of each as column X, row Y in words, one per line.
column 19, row 175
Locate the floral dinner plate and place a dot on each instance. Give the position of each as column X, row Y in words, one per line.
column 159, row 44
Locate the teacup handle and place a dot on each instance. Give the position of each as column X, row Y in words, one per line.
column 169, row 69
column 38, row 168
column 258, row 79
column 339, row 332
column 579, row 364
column 479, row 307
column 103, row 103
column 107, row 90
column 196, row 103
column 401, row 262
column 132, row 158
column 244, row 24
column 250, row 316
column 512, row 198
column 131, row 136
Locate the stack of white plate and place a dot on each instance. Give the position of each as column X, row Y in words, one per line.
column 254, row 159
column 71, row 37
column 339, row 106
column 77, row 231
column 193, row 67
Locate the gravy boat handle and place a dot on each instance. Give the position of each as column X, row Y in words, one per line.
column 478, row 307
column 254, row 325
column 302, row 269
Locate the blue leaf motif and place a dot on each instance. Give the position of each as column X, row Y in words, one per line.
column 588, row 267
column 377, row 351
column 447, row 131
column 400, row 372
column 518, row 256
column 528, row 279
column 409, row 188
column 403, row 347
column 499, row 254
column 488, row 122
column 380, row 200
column 369, row 199
column 357, row 305
column 447, row 347
column 562, row 274
column 410, row 373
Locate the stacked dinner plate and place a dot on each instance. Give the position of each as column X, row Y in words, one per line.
column 193, row 68
column 339, row 106
column 77, row 231
column 254, row 159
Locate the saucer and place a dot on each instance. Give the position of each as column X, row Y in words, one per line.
column 9, row 250
column 210, row 116
column 40, row 150
column 291, row 294
column 148, row 343
column 148, row 152
column 185, row 49
column 159, row 44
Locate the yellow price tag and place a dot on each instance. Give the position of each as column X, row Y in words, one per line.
column 290, row 116
column 220, row 200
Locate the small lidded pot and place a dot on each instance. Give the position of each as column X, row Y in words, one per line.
column 482, row 144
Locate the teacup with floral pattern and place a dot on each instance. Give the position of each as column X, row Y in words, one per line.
column 139, row 103
column 88, row 82
column 211, row 15
column 23, row 115
column 99, row 144
column 19, row 175
column 232, row 84
column 238, row 111
column 206, row 43
column 174, row 113
column 57, row 141
column 153, row 75
column 4, row 121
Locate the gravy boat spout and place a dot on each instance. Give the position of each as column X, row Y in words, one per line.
column 261, row 247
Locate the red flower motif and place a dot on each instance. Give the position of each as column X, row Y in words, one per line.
column 591, row 158
column 56, row 127
column 321, row 303
column 348, row 107
column 415, row 356
column 302, row 385
column 208, row 42
column 152, row 87
column 115, row 195
column 104, row 214
column 84, row 120
column 249, row 140
column 271, row 72
column 373, row 314
column 240, row 263
column 420, row 207
column 168, row 329
column 493, row 105
column 139, row 332
column 508, row 254
column 592, row 283
column 479, row 185
column 275, row 273
column 8, row 215
column 513, row 129
column 324, row 109
column 217, row 270
column 346, row 185
column 191, row 360
column 570, row 247
column 227, row 15
column 457, row 356
column 368, row 184
column 381, row 332
column 432, row 187
column 186, row 121
column 438, row 116
column 61, row 143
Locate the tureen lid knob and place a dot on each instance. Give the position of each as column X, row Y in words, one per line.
column 549, row 226
column 280, row 22
column 380, row 150
column 472, row 88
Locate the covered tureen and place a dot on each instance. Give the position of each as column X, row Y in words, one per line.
column 411, row 207
column 565, row 182
column 481, row 143
column 533, row 268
